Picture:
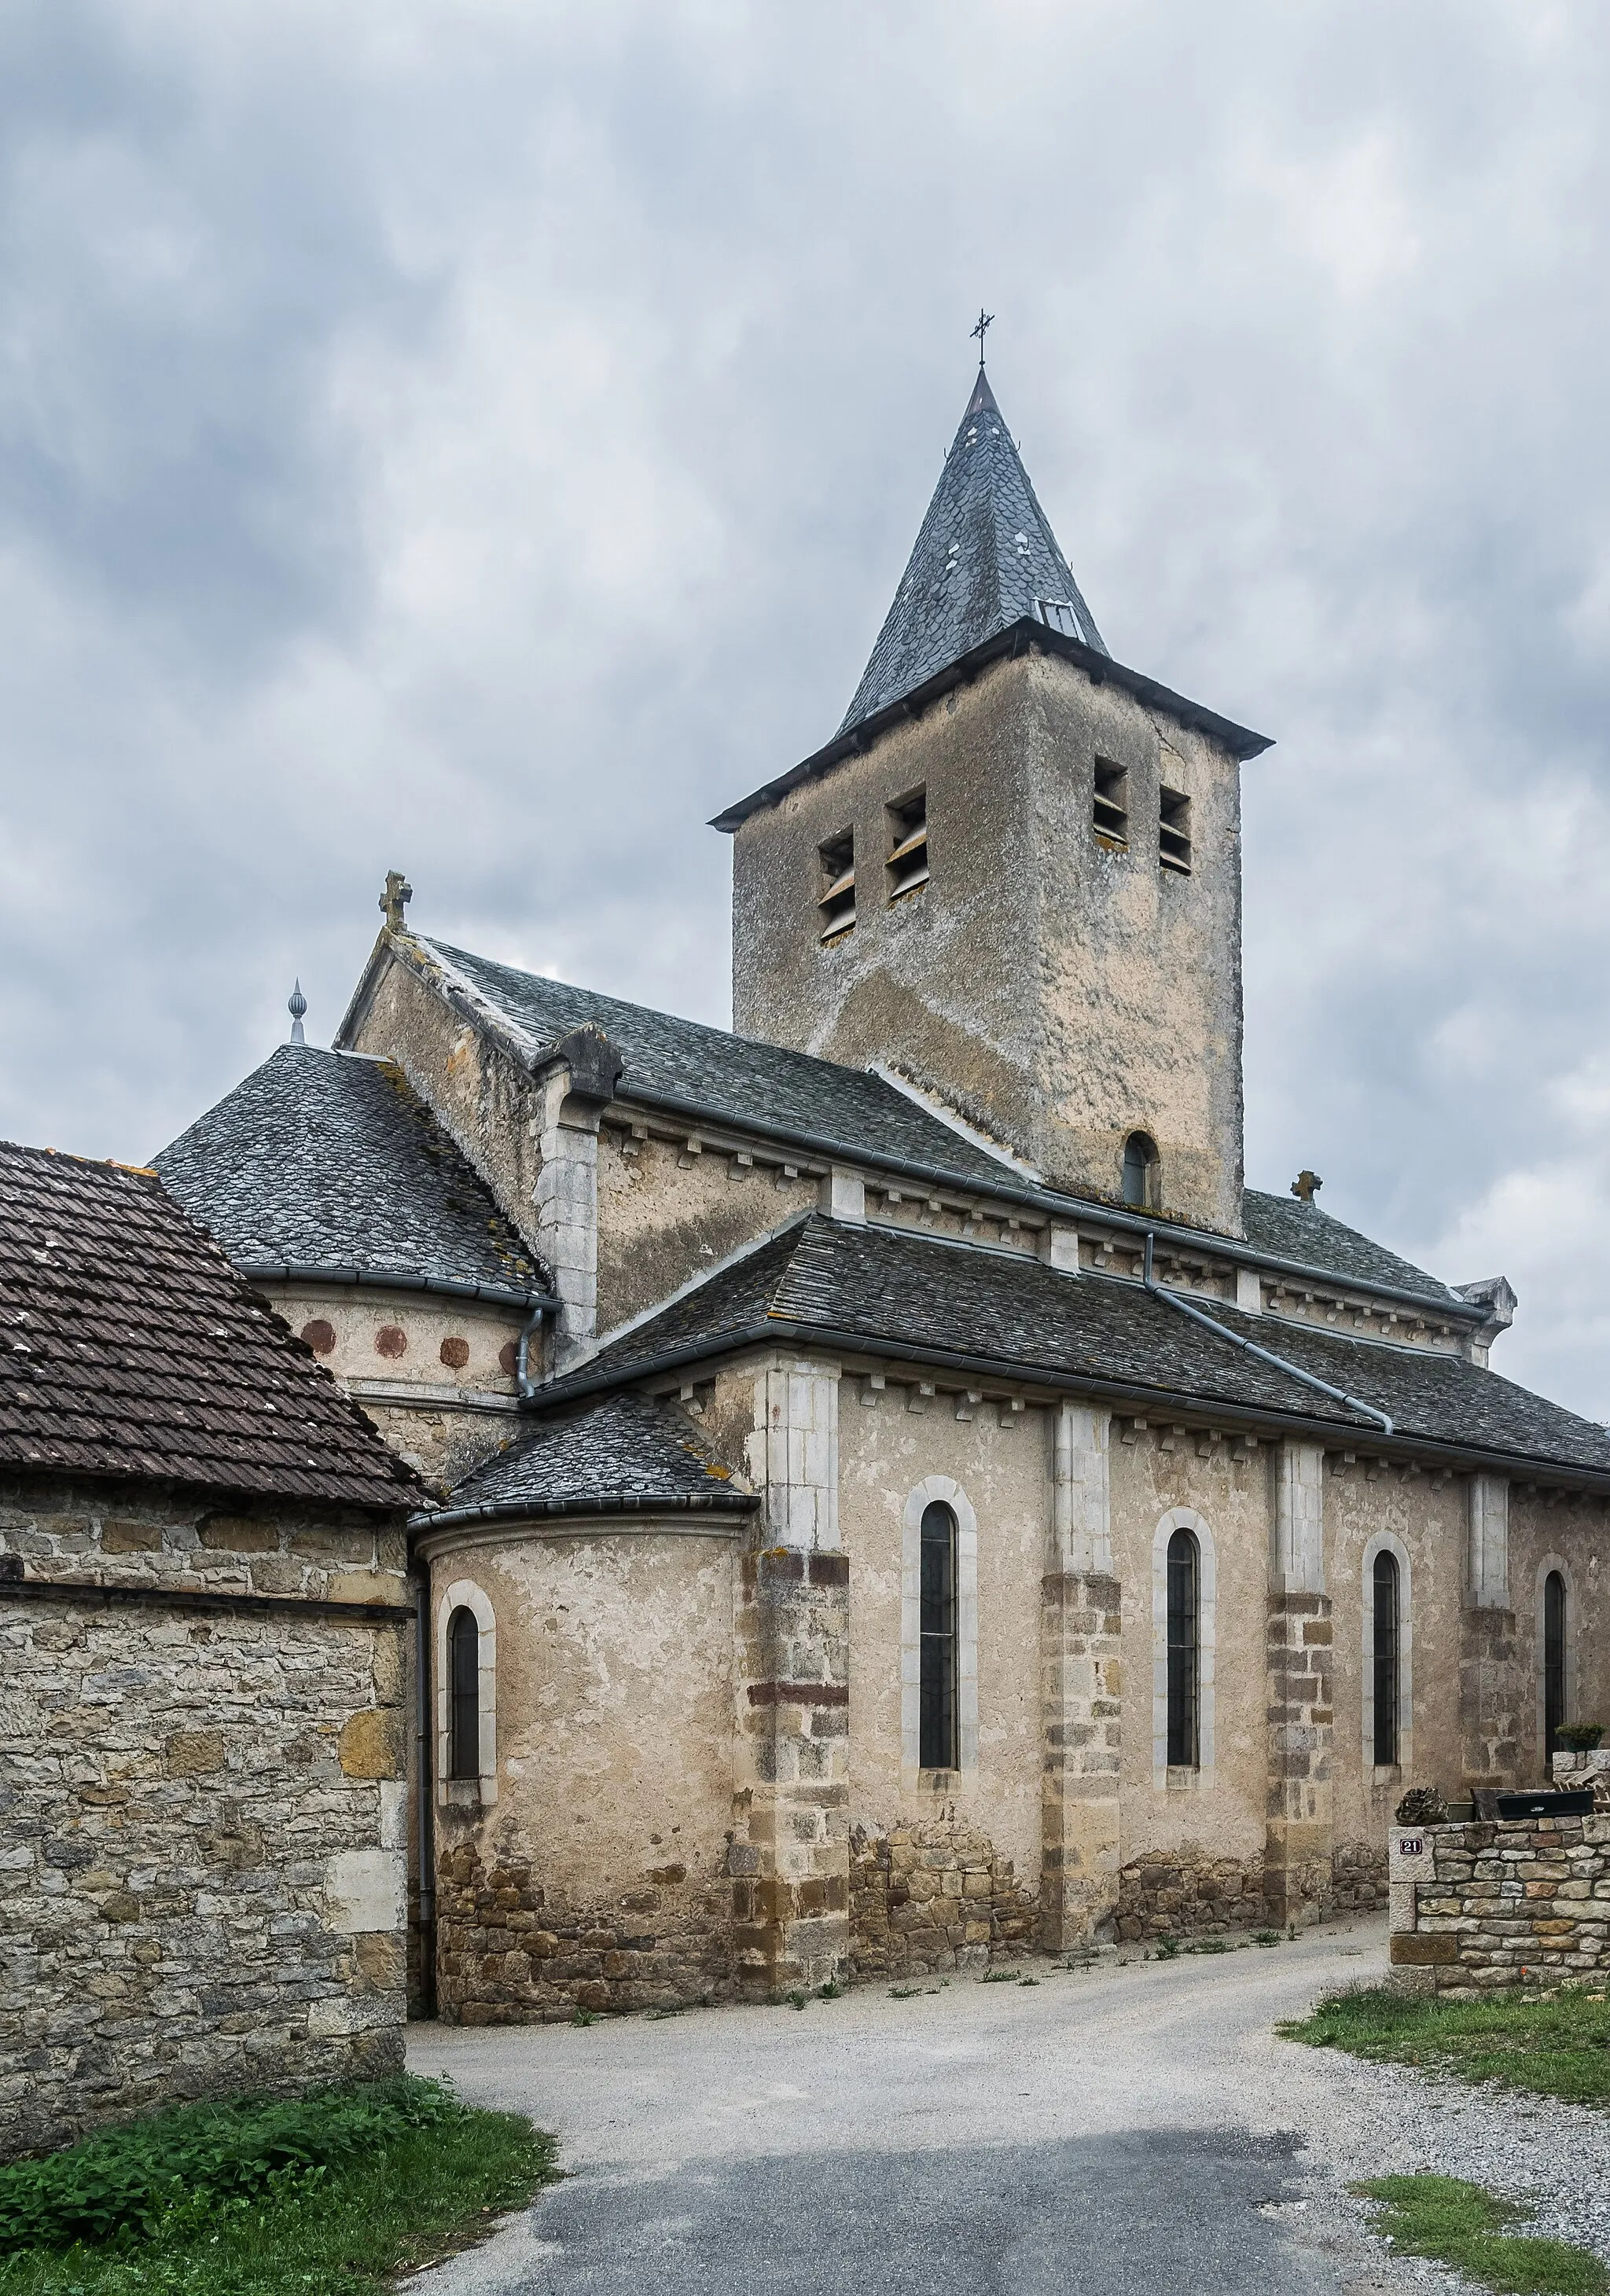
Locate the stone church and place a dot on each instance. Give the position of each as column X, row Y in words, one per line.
column 901, row 1497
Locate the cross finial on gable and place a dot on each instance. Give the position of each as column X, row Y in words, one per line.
column 986, row 320
column 395, row 899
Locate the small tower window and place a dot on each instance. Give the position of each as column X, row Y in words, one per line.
column 937, row 1748
column 1184, row 1652
column 1174, row 831
column 1111, row 814
column 1142, row 1172
column 836, row 900
column 463, row 1669
column 1554, row 1662
column 907, row 863
column 1385, row 1652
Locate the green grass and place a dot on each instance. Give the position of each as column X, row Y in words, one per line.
column 1554, row 2045
column 1462, row 2226
column 333, row 2193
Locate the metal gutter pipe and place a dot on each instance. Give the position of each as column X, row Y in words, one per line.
column 1264, row 1355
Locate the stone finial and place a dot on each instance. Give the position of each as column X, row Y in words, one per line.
column 1495, row 1294
column 1304, row 1186
column 395, row 900
column 296, row 1005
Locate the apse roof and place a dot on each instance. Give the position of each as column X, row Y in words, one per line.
column 329, row 1161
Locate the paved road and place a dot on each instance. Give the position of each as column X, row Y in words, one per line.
column 1136, row 2131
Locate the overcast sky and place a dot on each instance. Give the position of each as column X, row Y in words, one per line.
column 484, row 439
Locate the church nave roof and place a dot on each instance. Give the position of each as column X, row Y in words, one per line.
column 1001, row 1314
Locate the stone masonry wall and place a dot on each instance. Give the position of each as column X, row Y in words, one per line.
column 1188, row 1897
column 1484, row 1905
column 202, row 1815
column 508, row 1955
column 932, row 1895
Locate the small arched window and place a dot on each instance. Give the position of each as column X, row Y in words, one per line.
column 1184, row 1651
column 938, row 1702
column 1142, row 1169
column 1554, row 1662
column 464, row 1677
column 1386, row 1642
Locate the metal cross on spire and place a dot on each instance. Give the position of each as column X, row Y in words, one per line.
column 986, row 320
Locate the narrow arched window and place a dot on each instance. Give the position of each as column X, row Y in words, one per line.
column 1554, row 1662
column 937, row 1709
column 1184, row 1651
column 1141, row 1169
column 464, row 1675
column 1386, row 1649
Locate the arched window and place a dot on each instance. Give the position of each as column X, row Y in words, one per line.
column 1184, row 1651
column 1142, row 1170
column 1554, row 1662
column 463, row 1676
column 1385, row 1645
column 938, row 1630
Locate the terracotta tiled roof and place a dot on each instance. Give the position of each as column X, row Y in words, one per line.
column 131, row 1347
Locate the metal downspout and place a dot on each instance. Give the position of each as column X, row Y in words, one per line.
column 424, row 1811
column 525, row 1386
column 1264, row 1355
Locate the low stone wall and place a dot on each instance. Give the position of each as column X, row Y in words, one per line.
column 1358, row 1883
column 1490, row 1903
column 202, row 1812
column 933, row 1895
column 1189, row 1896
column 507, row 1954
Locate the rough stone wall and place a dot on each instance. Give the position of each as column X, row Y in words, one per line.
column 1189, row 1896
column 202, row 1817
column 933, row 1896
column 1357, row 1877
column 506, row 1956
column 1297, row 1856
column 1058, row 992
column 1484, row 1905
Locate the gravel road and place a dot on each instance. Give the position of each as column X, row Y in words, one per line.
column 1133, row 2131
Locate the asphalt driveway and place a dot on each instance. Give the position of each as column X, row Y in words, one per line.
column 1133, row 2131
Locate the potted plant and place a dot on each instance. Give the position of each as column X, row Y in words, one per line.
column 1579, row 1737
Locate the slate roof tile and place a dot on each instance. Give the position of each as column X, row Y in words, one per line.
column 131, row 1347
column 882, row 1288
column 328, row 1160
column 764, row 1088
column 623, row 1454
column 1288, row 1229
column 984, row 558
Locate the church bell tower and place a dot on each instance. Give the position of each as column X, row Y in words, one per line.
column 1013, row 876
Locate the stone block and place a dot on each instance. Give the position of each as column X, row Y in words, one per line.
column 371, row 1743
column 1419, row 1949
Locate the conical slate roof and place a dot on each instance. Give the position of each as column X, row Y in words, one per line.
column 985, row 557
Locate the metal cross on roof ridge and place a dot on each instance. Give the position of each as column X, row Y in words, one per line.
column 986, row 320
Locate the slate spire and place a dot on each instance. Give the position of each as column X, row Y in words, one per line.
column 985, row 557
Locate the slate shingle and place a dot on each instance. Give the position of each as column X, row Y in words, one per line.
column 328, row 1160
column 984, row 558
column 624, row 1453
column 733, row 1079
column 131, row 1347
column 1288, row 1229
column 886, row 1289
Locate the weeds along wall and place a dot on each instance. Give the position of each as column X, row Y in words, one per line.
column 202, row 1805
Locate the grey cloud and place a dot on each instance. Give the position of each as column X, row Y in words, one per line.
column 485, row 440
